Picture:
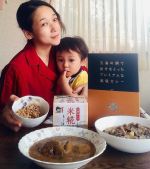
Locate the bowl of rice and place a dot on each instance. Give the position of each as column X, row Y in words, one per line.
column 31, row 111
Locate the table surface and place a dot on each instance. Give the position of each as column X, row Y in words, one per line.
column 11, row 158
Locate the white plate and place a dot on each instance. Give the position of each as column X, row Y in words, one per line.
column 28, row 140
column 123, row 144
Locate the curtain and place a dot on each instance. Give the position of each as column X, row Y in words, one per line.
column 109, row 26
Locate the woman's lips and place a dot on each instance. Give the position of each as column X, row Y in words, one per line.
column 56, row 36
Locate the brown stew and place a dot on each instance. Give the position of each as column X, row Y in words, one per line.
column 131, row 131
column 62, row 149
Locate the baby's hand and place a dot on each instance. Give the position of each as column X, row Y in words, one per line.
column 63, row 80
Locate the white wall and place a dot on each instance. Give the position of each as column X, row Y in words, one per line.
column 12, row 41
column 144, row 80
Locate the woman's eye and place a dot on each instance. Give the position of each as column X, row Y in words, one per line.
column 44, row 24
column 55, row 19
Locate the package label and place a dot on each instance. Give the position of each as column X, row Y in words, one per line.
column 113, row 85
column 69, row 110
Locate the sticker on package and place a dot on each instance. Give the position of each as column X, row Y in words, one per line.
column 70, row 111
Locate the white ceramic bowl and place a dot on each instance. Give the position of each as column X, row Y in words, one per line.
column 123, row 144
column 28, row 140
column 25, row 101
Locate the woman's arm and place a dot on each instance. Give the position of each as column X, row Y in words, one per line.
column 83, row 88
column 10, row 83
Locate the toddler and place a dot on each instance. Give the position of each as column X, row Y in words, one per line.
column 71, row 55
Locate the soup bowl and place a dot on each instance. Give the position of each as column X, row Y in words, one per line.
column 28, row 140
column 123, row 144
column 28, row 100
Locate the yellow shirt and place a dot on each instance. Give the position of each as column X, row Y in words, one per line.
column 80, row 79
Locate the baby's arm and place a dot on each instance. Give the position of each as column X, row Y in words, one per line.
column 63, row 83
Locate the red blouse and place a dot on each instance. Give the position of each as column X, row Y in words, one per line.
column 26, row 74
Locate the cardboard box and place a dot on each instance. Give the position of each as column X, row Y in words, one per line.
column 113, row 86
column 69, row 110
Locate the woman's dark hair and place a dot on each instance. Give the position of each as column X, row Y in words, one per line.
column 76, row 44
column 26, row 11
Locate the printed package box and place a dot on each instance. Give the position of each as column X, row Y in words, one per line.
column 70, row 110
column 113, row 86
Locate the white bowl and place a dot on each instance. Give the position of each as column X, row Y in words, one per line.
column 25, row 101
column 123, row 144
column 28, row 140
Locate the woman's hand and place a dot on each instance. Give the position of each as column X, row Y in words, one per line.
column 83, row 88
column 7, row 115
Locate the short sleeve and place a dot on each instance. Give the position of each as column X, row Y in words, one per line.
column 80, row 79
column 11, row 82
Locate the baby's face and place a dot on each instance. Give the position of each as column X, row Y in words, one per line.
column 69, row 61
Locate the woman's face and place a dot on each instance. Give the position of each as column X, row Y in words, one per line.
column 46, row 29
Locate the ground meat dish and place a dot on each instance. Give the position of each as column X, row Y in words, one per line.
column 30, row 111
column 131, row 131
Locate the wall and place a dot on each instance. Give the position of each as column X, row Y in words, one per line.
column 12, row 41
column 144, row 80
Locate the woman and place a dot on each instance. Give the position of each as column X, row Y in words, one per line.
column 33, row 71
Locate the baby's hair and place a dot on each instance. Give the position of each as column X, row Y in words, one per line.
column 76, row 44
